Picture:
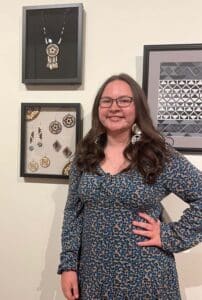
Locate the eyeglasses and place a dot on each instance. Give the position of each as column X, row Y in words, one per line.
column 122, row 101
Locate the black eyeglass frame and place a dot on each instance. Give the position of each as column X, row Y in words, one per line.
column 117, row 101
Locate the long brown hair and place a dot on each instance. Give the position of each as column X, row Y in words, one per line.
column 147, row 155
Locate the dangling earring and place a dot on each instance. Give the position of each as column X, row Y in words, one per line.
column 67, row 152
column 31, row 141
column 57, row 146
column 97, row 139
column 69, row 121
column 55, row 127
column 137, row 133
column 40, row 136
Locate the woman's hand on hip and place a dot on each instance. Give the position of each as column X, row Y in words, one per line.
column 151, row 230
column 69, row 284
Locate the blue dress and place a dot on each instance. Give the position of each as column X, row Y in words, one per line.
column 97, row 237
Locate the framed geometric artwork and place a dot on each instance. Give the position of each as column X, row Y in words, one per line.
column 49, row 135
column 172, row 81
column 52, row 44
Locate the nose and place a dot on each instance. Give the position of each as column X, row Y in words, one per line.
column 114, row 105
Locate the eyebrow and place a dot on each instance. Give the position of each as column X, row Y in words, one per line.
column 117, row 97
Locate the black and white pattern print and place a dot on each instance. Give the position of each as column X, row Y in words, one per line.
column 180, row 99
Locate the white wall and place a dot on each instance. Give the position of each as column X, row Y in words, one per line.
column 31, row 213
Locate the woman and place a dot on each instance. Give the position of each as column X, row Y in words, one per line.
column 113, row 245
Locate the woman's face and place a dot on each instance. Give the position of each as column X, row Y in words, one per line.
column 116, row 118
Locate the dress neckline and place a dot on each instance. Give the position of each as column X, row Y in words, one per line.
column 100, row 169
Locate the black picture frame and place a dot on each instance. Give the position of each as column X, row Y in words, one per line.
column 49, row 135
column 172, row 82
column 47, row 25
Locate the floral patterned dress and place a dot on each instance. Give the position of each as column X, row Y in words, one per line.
column 97, row 237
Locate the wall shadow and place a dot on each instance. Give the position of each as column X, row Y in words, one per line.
column 190, row 272
column 187, row 262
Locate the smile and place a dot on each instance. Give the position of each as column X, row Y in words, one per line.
column 115, row 118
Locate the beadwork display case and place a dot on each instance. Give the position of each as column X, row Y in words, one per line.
column 49, row 135
column 52, row 44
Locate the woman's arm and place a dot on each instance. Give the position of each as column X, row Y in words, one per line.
column 184, row 180
column 72, row 224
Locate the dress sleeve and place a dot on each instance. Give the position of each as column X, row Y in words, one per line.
column 72, row 224
column 184, row 180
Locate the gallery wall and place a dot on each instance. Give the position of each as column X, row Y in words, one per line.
column 31, row 210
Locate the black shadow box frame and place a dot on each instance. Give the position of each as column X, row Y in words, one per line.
column 172, row 81
column 42, row 26
column 49, row 135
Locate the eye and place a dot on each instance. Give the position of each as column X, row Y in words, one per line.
column 124, row 100
column 104, row 101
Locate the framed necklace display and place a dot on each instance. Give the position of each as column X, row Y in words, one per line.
column 52, row 44
column 49, row 135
